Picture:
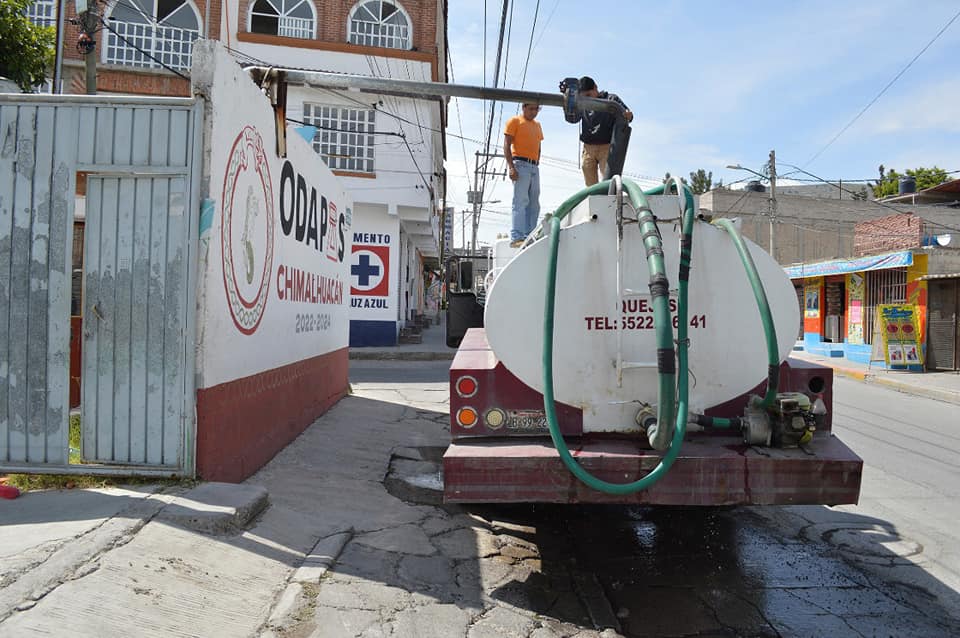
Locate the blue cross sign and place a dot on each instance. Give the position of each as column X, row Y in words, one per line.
column 364, row 271
column 370, row 270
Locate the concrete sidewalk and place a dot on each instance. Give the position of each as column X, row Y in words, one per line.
column 942, row 386
column 247, row 560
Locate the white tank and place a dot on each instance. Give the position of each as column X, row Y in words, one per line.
column 727, row 346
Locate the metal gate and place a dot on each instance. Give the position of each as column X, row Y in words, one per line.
column 943, row 324
column 141, row 158
column 882, row 287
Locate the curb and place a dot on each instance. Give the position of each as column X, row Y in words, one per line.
column 946, row 396
column 413, row 355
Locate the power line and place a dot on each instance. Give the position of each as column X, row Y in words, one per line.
column 546, row 24
column 456, row 102
column 146, row 53
column 884, row 90
column 526, row 63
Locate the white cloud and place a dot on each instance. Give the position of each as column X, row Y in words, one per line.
column 930, row 108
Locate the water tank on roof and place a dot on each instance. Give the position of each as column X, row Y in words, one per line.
column 907, row 185
column 756, row 187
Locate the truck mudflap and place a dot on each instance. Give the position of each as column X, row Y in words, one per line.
column 711, row 470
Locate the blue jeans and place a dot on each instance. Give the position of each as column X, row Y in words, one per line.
column 526, row 200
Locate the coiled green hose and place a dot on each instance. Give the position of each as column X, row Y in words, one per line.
column 672, row 409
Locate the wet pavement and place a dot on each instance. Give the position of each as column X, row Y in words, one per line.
column 641, row 571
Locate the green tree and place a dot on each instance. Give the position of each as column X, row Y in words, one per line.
column 26, row 49
column 701, row 181
column 889, row 181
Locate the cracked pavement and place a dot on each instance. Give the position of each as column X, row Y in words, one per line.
column 356, row 543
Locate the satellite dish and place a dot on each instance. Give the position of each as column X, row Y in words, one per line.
column 943, row 240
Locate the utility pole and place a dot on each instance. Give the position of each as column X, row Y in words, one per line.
column 481, row 171
column 773, row 200
column 58, row 57
column 89, row 22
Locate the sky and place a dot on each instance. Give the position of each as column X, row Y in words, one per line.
column 713, row 84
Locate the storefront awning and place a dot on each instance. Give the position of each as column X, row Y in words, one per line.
column 856, row 264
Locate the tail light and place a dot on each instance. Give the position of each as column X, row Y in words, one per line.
column 467, row 386
column 467, row 417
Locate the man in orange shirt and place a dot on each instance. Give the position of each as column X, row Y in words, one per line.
column 521, row 149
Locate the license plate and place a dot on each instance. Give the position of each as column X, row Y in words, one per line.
column 527, row 420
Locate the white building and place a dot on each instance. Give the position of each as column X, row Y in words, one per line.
column 388, row 151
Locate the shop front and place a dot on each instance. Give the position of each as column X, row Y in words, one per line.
column 840, row 300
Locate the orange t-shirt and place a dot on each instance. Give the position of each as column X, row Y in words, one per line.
column 527, row 135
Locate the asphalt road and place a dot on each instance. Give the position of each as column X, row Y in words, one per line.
column 886, row 567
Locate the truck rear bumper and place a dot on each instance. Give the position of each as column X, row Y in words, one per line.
column 711, row 470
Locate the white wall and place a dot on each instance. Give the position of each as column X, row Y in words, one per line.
column 377, row 238
column 266, row 243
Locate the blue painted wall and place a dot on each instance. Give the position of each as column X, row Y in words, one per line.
column 372, row 333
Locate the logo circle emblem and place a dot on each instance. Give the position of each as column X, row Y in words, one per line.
column 246, row 233
column 368, row 269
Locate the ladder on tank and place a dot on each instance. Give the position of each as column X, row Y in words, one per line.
column 616, row 188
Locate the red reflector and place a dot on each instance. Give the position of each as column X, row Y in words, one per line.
column 467, row 386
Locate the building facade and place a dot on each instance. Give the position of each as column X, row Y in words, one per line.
column 389, row 151
column 896, row 257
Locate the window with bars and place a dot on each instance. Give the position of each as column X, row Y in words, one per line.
column 344, row 137
column 287, row 18
column 883, row 287
column 379, row 24
column 144, row 31
column 43, row 12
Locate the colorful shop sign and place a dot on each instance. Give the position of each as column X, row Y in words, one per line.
column 811, row 297
column 901, row 335
column 855, row 295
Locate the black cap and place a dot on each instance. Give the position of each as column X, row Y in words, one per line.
column 587, row 83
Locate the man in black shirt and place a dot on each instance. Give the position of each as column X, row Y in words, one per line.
column 596, row 128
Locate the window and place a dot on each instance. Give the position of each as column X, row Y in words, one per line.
column 163, row 29
column 344, row 137
column 379, row 24
column 883, row 286
column 287, row 18
column 43, row 12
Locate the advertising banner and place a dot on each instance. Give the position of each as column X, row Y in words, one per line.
column 856, row 294
column 901, row 335
column 811, row 297
column 374, row 258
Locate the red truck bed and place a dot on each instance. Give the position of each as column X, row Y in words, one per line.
column 504, row 465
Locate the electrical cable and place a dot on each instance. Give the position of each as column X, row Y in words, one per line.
column 109, row 28
column 526, row 63
column 884, row 90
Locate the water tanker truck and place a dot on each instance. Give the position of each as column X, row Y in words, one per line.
column 634, row 351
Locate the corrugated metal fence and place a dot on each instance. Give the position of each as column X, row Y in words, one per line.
column 139, row 158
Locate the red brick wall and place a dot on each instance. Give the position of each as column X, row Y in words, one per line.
column 242, row 424
column 114, row 79
column 332, row 21
column 894, row 232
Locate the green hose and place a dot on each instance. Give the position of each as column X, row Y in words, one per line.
column 769, row 329
column 669, row 405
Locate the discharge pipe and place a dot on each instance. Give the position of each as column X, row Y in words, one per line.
column 669, row 404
